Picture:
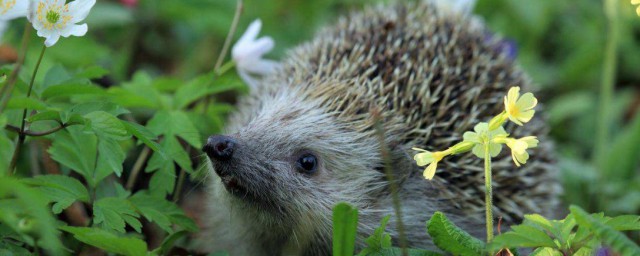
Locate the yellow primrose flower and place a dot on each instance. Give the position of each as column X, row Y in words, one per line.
column 519, row 148
column 431, row 159
column 636, row 2
column 518, row 108
column 483, row 135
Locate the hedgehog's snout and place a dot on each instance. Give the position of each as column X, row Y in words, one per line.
column 219, row 147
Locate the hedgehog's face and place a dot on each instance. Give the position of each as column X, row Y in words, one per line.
column 290, row 158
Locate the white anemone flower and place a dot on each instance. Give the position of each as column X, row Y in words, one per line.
column 247, row 54
column 11, row 9
column 54, row 18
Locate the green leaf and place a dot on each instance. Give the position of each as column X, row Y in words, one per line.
column 379, row 239
column 62, row 190
column 110, row 159
column 199, row 87
column 24, row 102
column 448, row 237
column 92, row 72
column 174, row 152
column 175, row 123
column 45, row 116
column 113, row 212
column 31, row 205
column 137, row 93
column 106, row 125
column 169, row 241
column 607, row 234
column 160, row 211
column 76, row 150
column 621, row 160
column 88, row 107
column 395, row 251
column 345, row 225
column 624, row 222
column 523, row 236
column 539, row 220
column 143, row 134
column 66, row 90
column 546, row 251
column 163, row 180
column 107, row 241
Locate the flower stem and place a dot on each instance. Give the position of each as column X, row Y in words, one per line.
column 225, row 68
column 608, row 78
column 488, row 201
column 137, row 166
column 22, row 135
column 227, row 41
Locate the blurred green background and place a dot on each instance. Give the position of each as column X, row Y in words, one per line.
column 560, row 44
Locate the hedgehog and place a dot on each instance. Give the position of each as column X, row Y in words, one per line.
column 305, row 138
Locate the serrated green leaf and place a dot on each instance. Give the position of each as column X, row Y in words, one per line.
column 624, row 222
column 113, row 212
column 76, row 150
column 607, row 234
column 143, row 134
column 175, row 123
column 110, row 159
column 540, row 221
column 107, row 241
column 106, row 125
column 160, row 211
column 62, row 190
column 379, row 239
column 345, row 225
column 163, row 181
column 448, row 237
column 66, row 90
column 523, row 236
column 89, row 107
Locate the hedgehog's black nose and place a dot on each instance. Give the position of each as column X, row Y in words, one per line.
column 219, row 147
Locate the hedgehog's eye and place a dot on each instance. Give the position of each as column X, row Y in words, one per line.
column 307, row 163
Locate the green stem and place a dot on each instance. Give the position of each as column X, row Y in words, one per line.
column 488, row 201
column 225, row 67
column 137, row 166
column 608, row 78
column 227, row 41
column 22, row 136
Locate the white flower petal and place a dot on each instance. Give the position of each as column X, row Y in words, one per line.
column 32, row 11
column 52, row 39
column 20, row 9
column 79, row 9
column 252, row 82
column 74, row 30
column 261, row 67
column 252, row 32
